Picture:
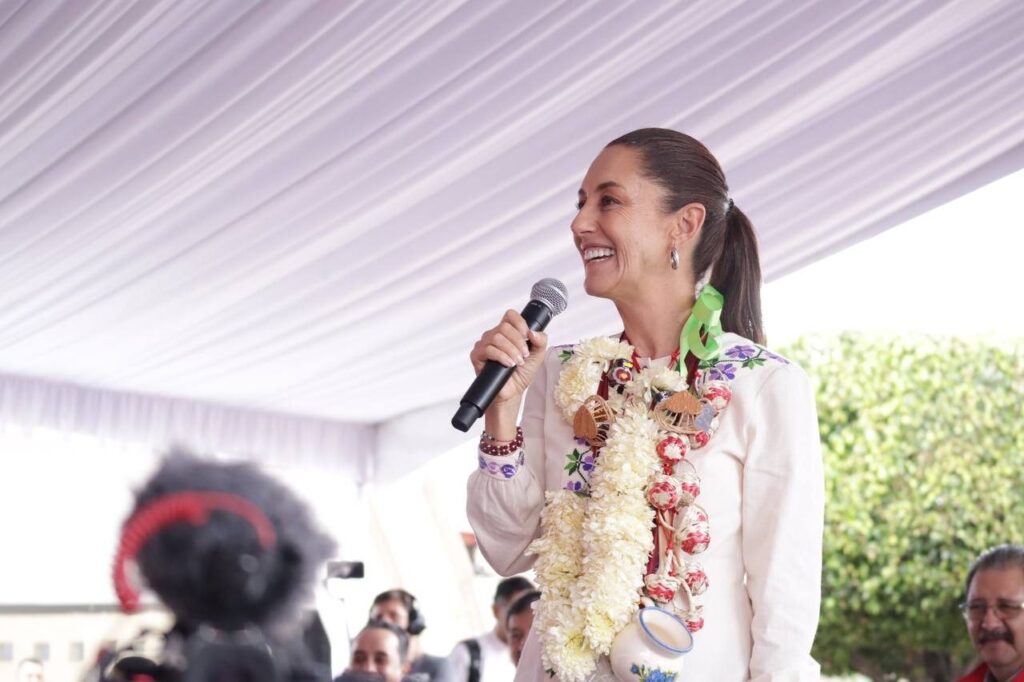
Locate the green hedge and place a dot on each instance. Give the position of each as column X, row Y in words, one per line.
column 923, row 441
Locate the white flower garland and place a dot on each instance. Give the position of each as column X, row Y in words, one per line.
column 617, row 530
column 558, row 568
column 593, row 550
column 581, row 375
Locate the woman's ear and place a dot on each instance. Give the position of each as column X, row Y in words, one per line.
column 687, row 223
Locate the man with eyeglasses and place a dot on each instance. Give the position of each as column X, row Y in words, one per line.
column 995, row 599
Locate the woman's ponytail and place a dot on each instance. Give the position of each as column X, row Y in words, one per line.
column 737, row 274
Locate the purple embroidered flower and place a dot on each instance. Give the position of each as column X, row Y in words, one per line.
column 580, row 441
column 741, row 352
column 508, row 470
column 587, row 463
column 483, row 464
column 574, row 486
column 723, row 371
column 522, row 458
column 776, row 358
column 492, row 467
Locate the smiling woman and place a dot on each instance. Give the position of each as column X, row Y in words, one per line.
column 644, row 179
column 636, row 449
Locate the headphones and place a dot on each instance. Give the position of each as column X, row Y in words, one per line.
column 417, row 623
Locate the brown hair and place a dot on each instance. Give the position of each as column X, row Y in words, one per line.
column 688, row 173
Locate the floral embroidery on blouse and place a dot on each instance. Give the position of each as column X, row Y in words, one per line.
column 501, row 466
column 724, row 367
column 580, row 463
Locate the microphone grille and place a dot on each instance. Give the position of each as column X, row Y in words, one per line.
column 552, row 293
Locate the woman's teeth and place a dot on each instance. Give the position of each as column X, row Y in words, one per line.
column 593, row 254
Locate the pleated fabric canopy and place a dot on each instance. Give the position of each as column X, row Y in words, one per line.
column 285, row 223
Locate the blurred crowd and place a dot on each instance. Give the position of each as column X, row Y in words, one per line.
column 388, row 647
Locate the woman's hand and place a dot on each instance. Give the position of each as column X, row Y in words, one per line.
column 506, row 344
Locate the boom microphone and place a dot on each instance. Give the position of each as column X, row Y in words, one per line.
column 547, row 298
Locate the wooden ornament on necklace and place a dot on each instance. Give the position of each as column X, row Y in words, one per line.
column 684, row 412
column 592, row 421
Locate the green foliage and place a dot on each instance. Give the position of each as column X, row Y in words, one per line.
column 923, row 441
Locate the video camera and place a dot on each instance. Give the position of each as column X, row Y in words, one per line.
column 234, row 555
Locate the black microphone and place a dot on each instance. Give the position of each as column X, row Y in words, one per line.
column 547, row 298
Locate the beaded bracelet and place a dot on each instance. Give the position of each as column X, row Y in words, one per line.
column 486, row 436
column 490, row 446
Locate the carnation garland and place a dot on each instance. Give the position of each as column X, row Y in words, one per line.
column 617, row 529
column 594, row 546
column 582, row 374
column 558, row 568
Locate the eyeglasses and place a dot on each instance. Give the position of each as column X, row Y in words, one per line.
column 1005, row 610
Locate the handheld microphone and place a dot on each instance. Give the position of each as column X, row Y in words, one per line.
column 547, row 298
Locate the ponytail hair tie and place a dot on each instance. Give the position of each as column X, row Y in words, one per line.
column 728, row 205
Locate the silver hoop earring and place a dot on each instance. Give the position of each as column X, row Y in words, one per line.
column 674, row 257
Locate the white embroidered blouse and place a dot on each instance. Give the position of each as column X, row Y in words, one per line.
column 762, row 486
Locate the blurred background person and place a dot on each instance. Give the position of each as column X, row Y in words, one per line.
column 379, row 651
column 398, row 607
column 485, row 658
column 519, row 620
column 31, row 670
column 995, row 600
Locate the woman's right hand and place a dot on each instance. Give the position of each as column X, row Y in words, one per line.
column 506, row 344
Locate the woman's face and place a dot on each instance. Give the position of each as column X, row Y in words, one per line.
column 620, row 230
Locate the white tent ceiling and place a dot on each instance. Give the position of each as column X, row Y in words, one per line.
column 308, row 210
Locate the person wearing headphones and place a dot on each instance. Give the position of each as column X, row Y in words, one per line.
column 399, row 608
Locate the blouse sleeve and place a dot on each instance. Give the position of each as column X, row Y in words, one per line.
column 783, row 519
column 506, row 493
